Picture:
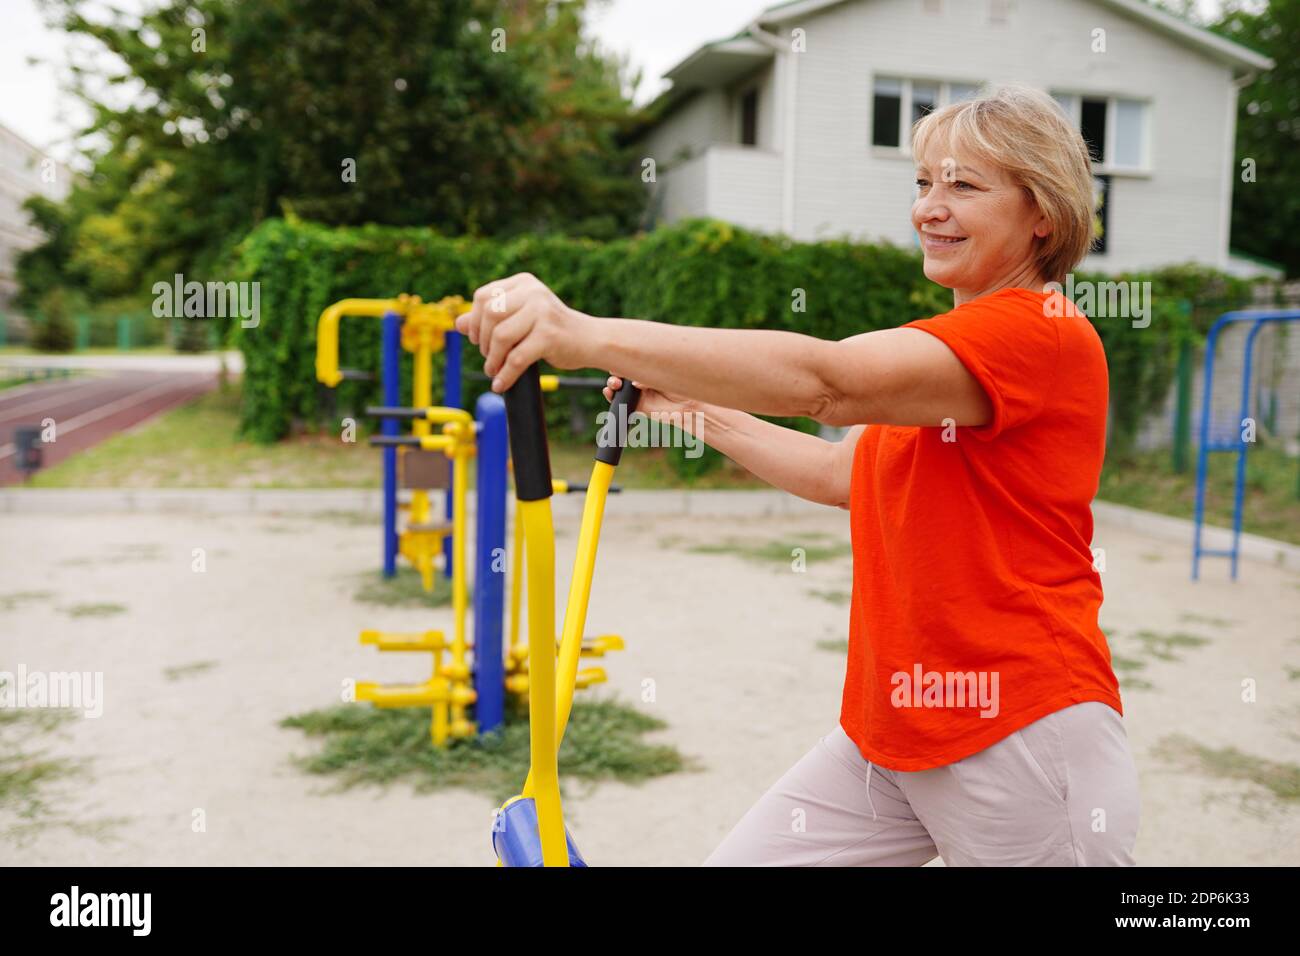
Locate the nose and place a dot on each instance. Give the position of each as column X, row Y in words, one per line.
column 929, row 208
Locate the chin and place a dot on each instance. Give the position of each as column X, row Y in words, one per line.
column 940, row 273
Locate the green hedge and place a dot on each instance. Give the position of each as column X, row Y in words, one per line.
column 697, row 272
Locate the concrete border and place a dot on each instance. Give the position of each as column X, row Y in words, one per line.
column 721, row 503
column 1180, row 531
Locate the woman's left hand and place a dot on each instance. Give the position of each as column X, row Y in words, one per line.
column 518, row 321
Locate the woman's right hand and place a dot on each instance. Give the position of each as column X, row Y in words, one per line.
column 656, row 404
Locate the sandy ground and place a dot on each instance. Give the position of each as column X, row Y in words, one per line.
column 731, row 646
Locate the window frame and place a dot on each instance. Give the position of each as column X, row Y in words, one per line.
column 904, row 148
column 1108, row 166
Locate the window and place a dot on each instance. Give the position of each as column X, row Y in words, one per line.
column 1114, row 129
column 1129, row 122
column 887, row 112
column 1092, row 124
column 749, row 118
column 925, row 98
column 1101, row 203
column 896, row 104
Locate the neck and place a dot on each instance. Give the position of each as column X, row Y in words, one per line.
column 1027, row 277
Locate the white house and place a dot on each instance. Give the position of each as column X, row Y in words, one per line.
column 800, row 122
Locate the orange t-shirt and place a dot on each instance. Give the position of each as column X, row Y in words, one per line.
column 975, row 599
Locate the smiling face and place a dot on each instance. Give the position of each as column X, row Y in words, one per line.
column 979, row 229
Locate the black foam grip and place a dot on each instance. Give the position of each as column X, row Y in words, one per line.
column 386, row 411
column 609, row 443
column 528, row 448
column 395, row 439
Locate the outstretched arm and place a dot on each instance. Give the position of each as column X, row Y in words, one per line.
column 893, row 377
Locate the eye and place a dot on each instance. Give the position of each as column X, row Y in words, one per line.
column 922, row 183
column 961, row 183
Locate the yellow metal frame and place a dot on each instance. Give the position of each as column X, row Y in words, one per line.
column 448, row 691
column 424, row 329
column 543, row 783
column 516, row 650
column 551, row 683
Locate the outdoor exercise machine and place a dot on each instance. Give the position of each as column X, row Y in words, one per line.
column 447, row 692
column 1229, row 437
column 467, row 681
column 465, row 675
column 424, row 329
column 528, row 830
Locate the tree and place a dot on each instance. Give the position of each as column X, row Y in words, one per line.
column 1266, row 195
column 474, row 116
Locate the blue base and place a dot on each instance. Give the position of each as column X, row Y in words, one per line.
column 515, row 837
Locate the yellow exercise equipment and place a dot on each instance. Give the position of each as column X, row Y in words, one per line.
column 529, row 828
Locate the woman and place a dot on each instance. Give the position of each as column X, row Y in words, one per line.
column 981, row 718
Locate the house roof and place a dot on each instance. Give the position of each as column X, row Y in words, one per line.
column 721, row 61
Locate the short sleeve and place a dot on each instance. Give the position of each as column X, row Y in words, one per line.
column 1012, row 347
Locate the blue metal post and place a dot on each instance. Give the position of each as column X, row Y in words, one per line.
column 1202, row 445
column 392, row 379
column 1209, row 444
column 451, row 398
column 1247, row 373
column 489, row 554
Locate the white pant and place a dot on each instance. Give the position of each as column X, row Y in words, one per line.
column 1062, row 791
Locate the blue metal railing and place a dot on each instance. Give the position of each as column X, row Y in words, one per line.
column 1217, row 436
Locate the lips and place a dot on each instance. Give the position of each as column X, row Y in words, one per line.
column 939, row 245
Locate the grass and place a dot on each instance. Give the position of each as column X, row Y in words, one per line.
column 102, row 609
column 194, row 446
column 369, row 745
column 14, row 599
column 833, row 597
column 1208, row 619
column 405, row 589
column 24, row 775
column 1126, row 669
column 1150, row 645
column 1271, row 506
column 187, row 670
column 767, row 552
column 1162, row 645
column 121, row 554
column 1282, row 780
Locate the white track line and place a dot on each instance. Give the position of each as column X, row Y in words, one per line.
column 89, row 418
column 36, row 385
column 41, row 404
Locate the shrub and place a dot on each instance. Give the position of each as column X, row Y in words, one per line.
column 55, row 333
column 695, row 272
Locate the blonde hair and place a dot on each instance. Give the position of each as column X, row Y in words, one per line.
column 1026, row 133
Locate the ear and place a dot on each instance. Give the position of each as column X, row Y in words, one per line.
column 1042, row 227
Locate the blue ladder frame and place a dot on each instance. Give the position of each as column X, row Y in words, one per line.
column 1230, row 440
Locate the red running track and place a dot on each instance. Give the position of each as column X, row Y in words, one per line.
column 89, row 408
